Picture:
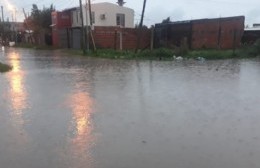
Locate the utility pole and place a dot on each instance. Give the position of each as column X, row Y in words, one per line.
column 87, row 29
column 91, row 24
column 234, row 41
column 2, row 9
column 27, row 26
column 15, row 14
column 3, row 24
column 140, row 28
column 142, row 17
column 83, row 33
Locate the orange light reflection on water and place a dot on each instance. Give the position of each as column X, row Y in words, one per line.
column 17, row 92
column 81, row 105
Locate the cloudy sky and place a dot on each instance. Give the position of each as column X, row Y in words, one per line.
column 156, row 10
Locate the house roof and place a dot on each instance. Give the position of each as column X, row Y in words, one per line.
column 202, row 20
column 110, row 4
column 96, row 4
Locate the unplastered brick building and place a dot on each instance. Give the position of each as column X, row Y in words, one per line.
column 61, row 24
column 217, row 33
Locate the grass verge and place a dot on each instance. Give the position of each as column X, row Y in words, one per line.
column 4, row 68
column 167, row 54
column 162, row 53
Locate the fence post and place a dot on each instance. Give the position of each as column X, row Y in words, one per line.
column 121, row 40
column 152, row 38
column 115, row 41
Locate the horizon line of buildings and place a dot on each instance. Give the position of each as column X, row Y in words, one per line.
column 222, row 33
column 114, row 21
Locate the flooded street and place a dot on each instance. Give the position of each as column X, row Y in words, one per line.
column 58, row 111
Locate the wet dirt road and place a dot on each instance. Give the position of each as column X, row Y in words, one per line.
column 58, row 111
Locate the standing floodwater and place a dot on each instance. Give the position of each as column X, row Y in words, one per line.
column 60, row 111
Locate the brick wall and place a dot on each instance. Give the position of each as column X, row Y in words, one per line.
column 109, row 37
column 224, row 33
column 205, row 34
column 60, row 21
column 170, row 36
column 232, row 31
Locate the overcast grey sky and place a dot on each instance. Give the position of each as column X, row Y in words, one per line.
column 157, row 10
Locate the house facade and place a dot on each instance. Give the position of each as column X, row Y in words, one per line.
column 105, row 14
column 61, row 25
column 66, row 24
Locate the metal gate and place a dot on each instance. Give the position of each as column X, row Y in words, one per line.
column 76, row 34
column 64, row 38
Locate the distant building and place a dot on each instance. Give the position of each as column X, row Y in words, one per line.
column 12, row 31
column 17, row 26
column 224, row 33
column 66, row 25
column 105, row 14
column 256, row 25
column 251, row 34
column 61, row 28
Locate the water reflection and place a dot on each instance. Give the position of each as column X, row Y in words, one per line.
column 81, row 105
column 17, row 92
column 144, row 114
column 17, row 96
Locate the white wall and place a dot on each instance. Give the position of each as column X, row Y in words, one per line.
column 76, row 19
column 109, row 10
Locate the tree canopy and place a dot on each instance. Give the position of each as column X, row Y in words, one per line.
column 40, row 21
column 41, row 18
column 167, row 20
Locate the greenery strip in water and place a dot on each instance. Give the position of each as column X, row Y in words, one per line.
column 4, row 67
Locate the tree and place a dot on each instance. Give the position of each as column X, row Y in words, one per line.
column 41, row 21
column 167, row 20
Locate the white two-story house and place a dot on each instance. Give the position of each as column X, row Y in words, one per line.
column 105, row 14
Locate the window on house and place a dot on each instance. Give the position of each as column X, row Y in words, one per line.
column 120, row 19
column 93, row 17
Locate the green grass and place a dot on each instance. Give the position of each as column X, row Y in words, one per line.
column 211, row 54
column 167, row 54
column 162, row 53
column 4, row 67
column 245, row 51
